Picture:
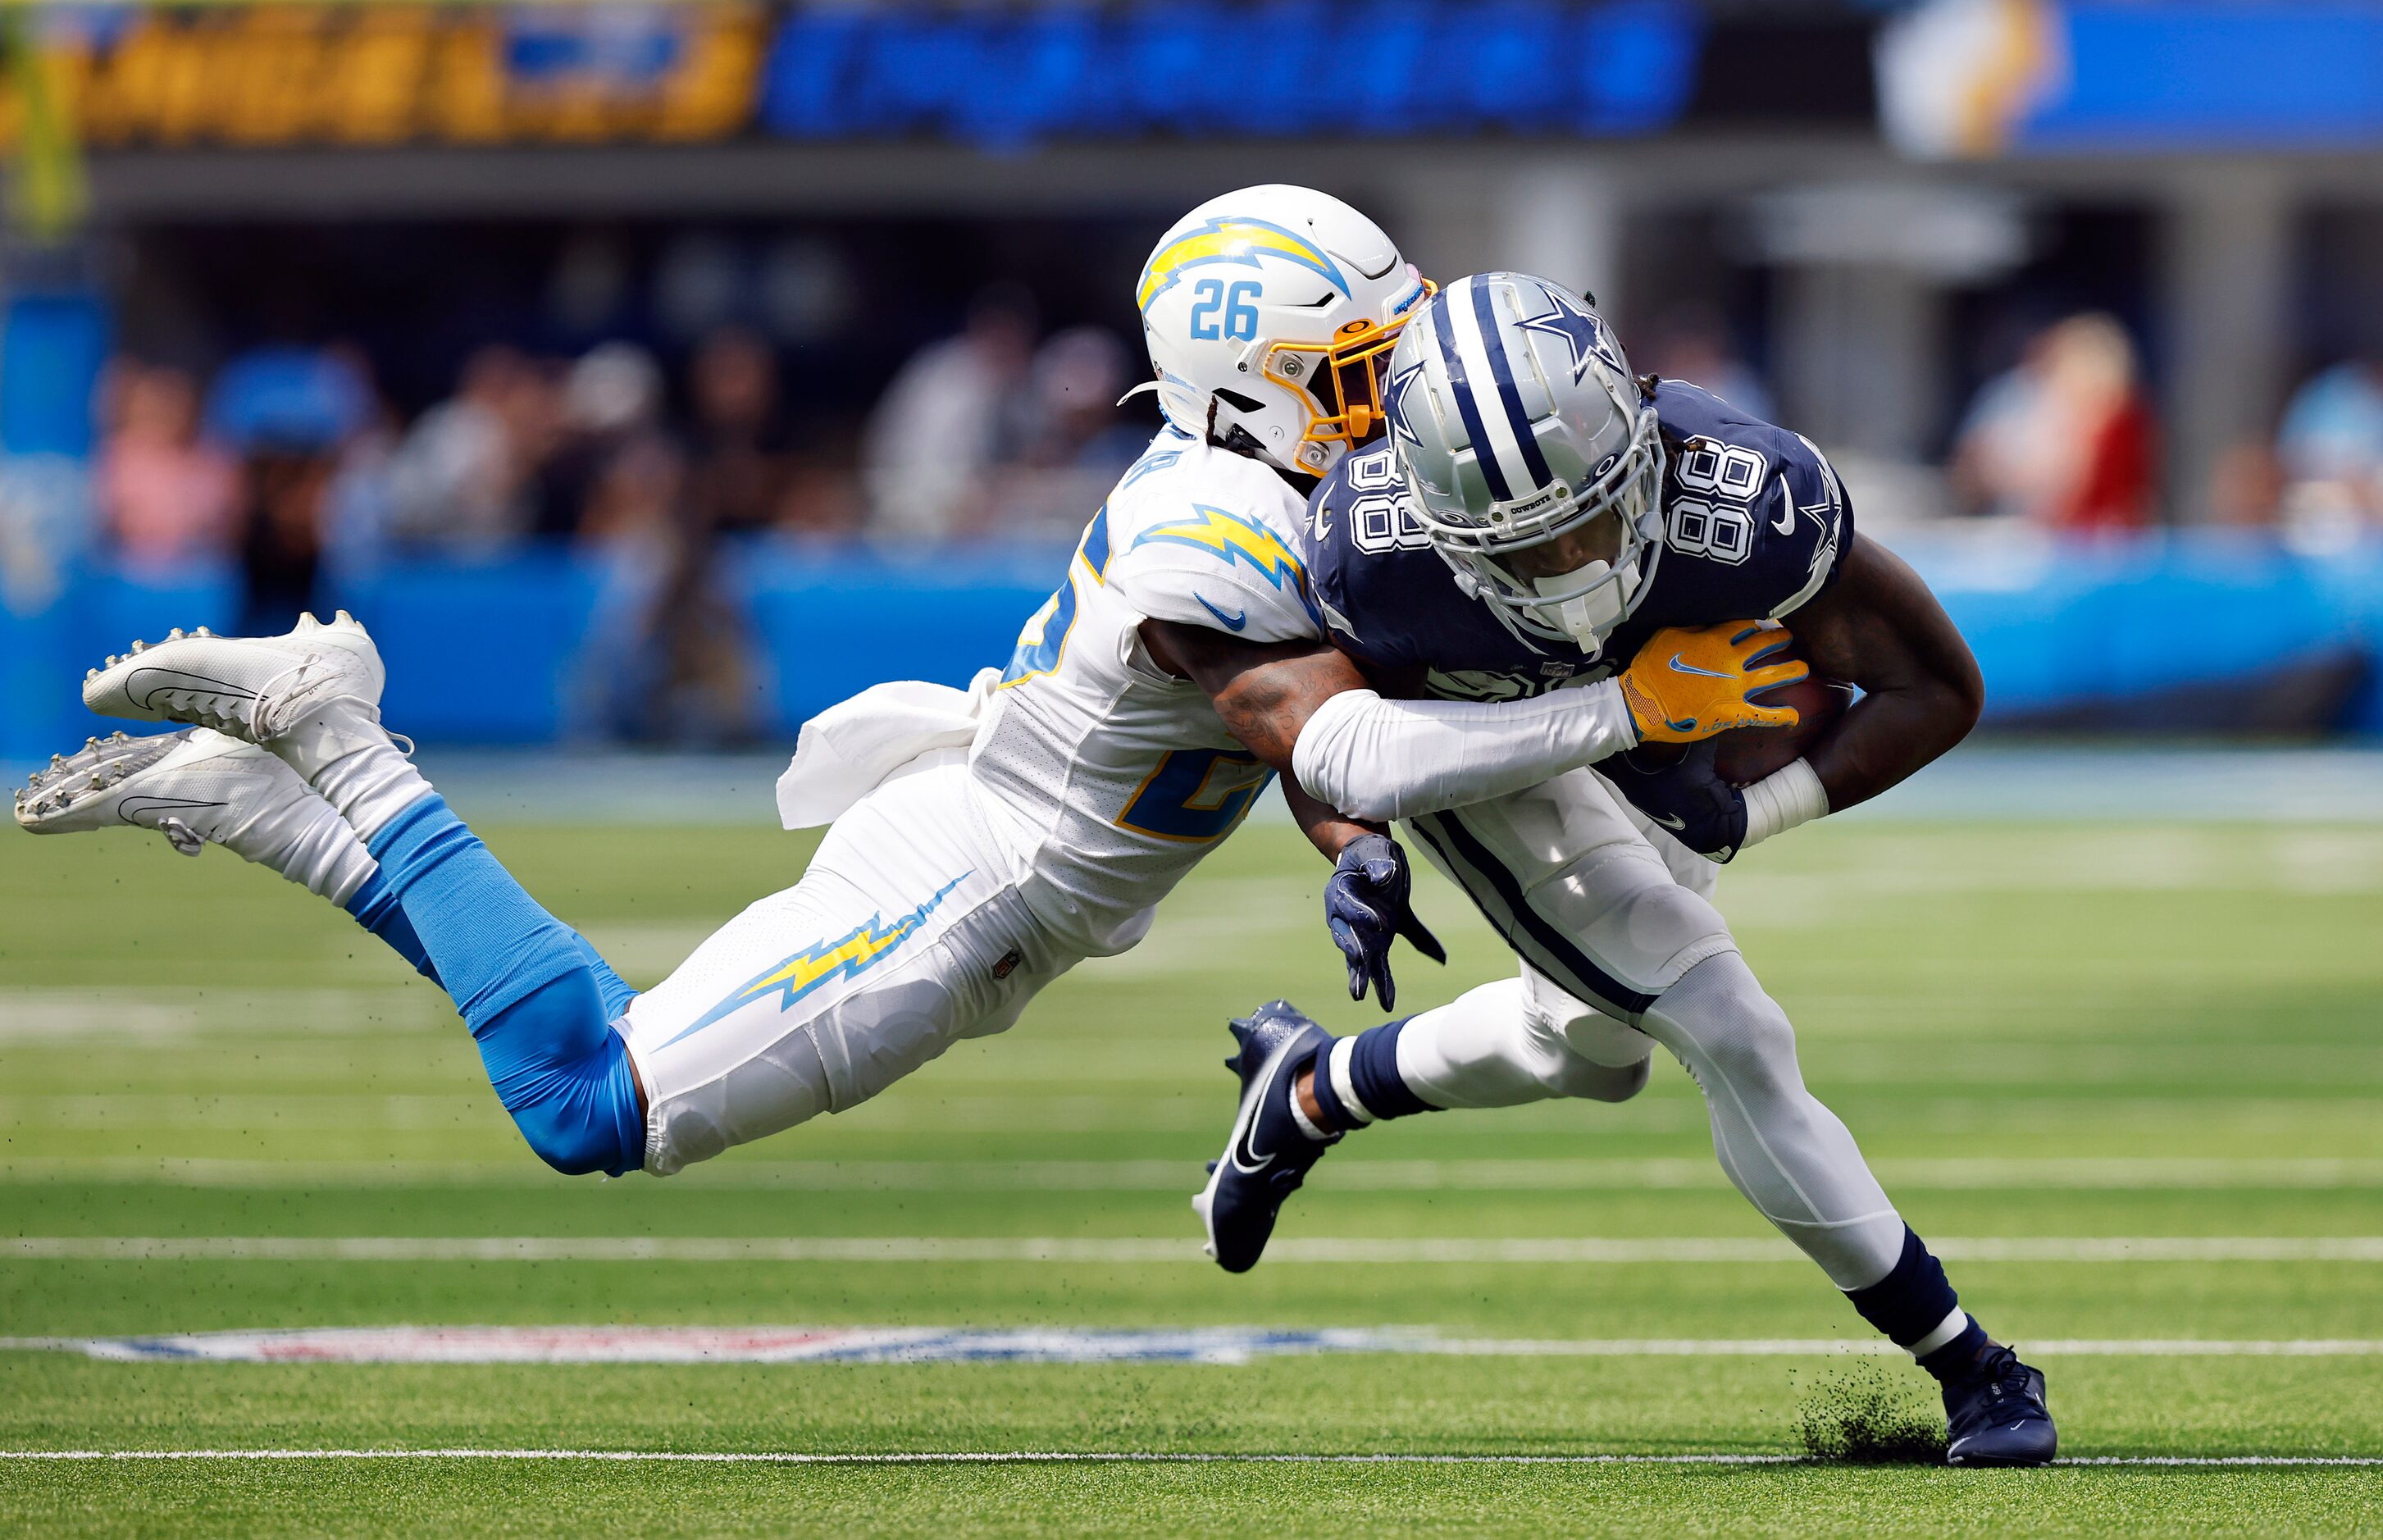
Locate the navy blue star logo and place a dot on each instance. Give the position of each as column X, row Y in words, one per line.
column 1582, row 333
column 1394, row 396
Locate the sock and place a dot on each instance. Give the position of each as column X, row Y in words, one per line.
column 374, row 907
column 564, row 1074
column 350, row 760
column 1915, row 1306
column 528, row 986
column 317, row 851
column 1357, row 1078
column 490, row 940
column 611, row 986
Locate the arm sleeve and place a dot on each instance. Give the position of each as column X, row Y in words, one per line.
column 1378, row 760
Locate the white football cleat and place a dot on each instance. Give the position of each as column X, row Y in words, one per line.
column 252, row 687
column 199, row 787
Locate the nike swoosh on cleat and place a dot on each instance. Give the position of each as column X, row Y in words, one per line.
column 1674, row 824
column 1677, row 666
column 141, row 692
column 1233, row 622
column 131, row 806
column 1246, row 1159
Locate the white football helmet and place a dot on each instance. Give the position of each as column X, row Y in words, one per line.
column 1269, row 312
column 1530, row 454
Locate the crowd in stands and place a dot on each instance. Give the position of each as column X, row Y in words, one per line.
column 290, row 467
column 288, row 457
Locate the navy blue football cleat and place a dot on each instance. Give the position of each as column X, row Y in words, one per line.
column 1997, row 1416
column 1268, row 1156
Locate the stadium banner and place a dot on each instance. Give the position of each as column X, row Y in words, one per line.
column 262, row 76
column 1984, row 77
column 364, row 75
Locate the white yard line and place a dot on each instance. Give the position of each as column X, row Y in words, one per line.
column 1135, row 1250
column 1982, row 1174
column 1023, row 1457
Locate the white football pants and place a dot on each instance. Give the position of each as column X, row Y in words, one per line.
column 1621, row 949
column 904, row 935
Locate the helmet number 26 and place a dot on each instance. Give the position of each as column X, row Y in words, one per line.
column 1211, row 298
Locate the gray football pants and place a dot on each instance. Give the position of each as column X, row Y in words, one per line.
column 1621, row 949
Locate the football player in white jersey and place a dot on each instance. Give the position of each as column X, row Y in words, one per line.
column 979, row 842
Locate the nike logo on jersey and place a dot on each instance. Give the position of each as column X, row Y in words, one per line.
column 1786, row 521
column 1680, row 667
column 1233, row 622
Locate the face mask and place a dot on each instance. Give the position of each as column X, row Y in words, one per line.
column 1588, row 618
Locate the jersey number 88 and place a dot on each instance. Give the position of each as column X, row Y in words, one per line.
column 1715, row 519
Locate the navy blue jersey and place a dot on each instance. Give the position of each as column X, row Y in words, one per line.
column 1755, row 523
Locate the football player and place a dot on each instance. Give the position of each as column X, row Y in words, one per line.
column 979, row 842
column 1599, row 556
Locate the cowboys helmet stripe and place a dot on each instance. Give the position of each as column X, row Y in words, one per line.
column 1501, row 369
column 1459, row 385
column 1474, row 332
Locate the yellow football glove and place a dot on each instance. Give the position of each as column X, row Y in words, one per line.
column 1689, row 682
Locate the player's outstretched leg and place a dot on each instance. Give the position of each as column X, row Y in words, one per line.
column 200, row 787
column 1501, row 1045
column 539, row 1000
column 1798, row 1163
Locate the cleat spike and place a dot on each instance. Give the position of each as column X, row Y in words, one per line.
column 138, row 647
column 203, row 631
column 91, row 743
column 57, row 760
column 175, row 635
column 306, row 621
column 112, row 659
column 90, row 673
column 120, row 737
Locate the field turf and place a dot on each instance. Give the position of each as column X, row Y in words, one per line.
column 2059, row 1034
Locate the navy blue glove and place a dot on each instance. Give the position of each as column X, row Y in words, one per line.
column 1703, row 812
column 1366, row 905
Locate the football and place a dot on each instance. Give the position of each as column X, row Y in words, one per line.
column 1748, row 754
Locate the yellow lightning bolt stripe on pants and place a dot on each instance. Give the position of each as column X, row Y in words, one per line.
column 851, row 953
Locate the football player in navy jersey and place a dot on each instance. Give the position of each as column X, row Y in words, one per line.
column 1546, row 563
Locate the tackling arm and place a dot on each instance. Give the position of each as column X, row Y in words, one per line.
column 1267, row 692
column 1306, row 709
column 1879, row 627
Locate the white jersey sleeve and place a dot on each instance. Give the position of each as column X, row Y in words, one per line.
column 1203, row 537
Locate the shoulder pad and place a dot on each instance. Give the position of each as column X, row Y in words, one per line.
column 1757, row 511
column 1213, row 540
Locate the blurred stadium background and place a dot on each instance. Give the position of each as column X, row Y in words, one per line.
column 663, row 373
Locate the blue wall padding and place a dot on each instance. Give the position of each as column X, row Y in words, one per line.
column 499, row 653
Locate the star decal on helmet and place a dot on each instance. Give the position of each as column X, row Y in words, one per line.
column 1394, row 403
column 1583, row 336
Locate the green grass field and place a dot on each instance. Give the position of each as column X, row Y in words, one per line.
column 2055, row 1035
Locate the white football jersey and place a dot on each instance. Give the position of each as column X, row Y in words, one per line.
column 1114, row 776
